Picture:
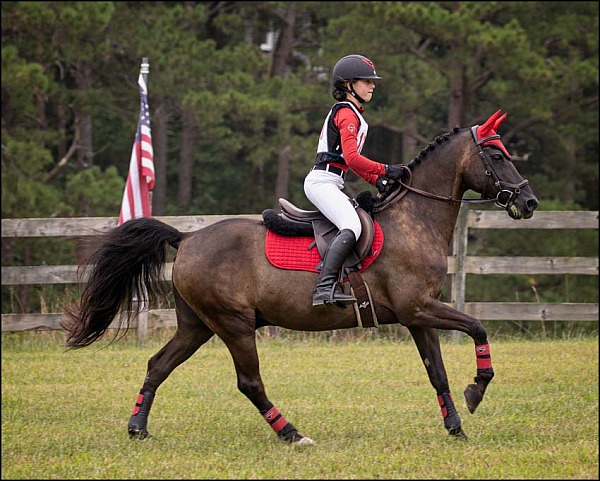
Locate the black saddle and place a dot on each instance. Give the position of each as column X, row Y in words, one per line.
column 293, row 221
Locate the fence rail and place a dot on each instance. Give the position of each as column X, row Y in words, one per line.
column 459, row 265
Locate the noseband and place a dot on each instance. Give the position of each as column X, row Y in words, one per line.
column 506, row 190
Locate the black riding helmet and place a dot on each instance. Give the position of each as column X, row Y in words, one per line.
column 348, row 69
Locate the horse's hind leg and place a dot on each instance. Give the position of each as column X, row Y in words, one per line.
column 428, row 344
column 190, row 335
column 240, row 339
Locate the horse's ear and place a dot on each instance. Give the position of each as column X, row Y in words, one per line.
column 499, row 122
column 490, row 124
column 490, row 127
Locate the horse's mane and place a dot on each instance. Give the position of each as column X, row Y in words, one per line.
column 396, row 191
column 431, row 146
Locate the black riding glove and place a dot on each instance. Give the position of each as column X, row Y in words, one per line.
column 382, row 183
column 394, row 172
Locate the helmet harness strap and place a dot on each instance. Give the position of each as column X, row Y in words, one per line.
column 354, row 94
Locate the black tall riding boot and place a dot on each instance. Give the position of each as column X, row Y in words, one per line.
column 328, row 290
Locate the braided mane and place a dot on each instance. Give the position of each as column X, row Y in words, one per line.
column 432, row 145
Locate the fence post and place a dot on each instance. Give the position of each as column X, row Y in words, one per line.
column 459, row 252
column 142, row 318
column 142, row 327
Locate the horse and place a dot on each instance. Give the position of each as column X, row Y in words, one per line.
column 223, row 284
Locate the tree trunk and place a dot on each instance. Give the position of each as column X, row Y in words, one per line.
column 159, row 144
column 283, row 52
column 458, row 96
column 569, row 143
column 85, row 152
column 283, row 174
column 285, row 44
column 410, row 139
column 186, row 160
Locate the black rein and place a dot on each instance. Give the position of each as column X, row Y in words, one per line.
column 489, row 171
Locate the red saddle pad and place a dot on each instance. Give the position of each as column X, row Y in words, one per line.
column 293, row 253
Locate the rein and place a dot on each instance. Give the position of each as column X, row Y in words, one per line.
column 398, row 193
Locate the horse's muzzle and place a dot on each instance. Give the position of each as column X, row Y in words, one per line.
column 521, row 210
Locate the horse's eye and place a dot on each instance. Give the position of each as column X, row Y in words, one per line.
column 496, row 157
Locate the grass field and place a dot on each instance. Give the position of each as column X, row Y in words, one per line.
column 368, row 404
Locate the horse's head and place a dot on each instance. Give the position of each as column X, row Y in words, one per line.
column 500, row 179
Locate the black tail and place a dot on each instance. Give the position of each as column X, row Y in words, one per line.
column 126, row 267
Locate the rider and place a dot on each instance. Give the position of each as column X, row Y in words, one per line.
column 342, row 138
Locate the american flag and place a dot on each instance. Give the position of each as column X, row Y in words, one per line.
column 140, row 179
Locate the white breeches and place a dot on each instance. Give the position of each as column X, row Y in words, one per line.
column 324, row 190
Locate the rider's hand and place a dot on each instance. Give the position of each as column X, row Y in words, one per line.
column 394, row 172
column 381, row 184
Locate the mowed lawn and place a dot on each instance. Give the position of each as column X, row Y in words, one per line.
column 368, row 405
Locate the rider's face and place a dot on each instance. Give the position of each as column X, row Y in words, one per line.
column 364, row 88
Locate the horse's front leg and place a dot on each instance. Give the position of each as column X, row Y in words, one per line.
column 428, row 344
column 441, row 316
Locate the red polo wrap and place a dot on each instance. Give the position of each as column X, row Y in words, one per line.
column 275, row 419
column 484, row 356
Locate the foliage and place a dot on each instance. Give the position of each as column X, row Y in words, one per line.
column 441, row 63
column 225, row 119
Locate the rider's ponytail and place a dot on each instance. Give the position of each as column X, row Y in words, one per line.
column 339, row 90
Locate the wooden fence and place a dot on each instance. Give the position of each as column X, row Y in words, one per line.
column 459, row 265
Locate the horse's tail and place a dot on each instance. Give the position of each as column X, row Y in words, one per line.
column 126, row 267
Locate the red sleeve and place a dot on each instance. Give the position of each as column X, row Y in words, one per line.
column 348, row 124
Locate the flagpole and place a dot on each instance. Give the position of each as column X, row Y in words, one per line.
column 140, row 177
column 144, row 71
column 142, row 325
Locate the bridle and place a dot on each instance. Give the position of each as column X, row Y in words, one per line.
column 507, row 191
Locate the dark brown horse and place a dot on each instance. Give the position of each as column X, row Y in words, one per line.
column 223, row 283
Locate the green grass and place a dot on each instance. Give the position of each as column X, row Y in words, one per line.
column 368, row 404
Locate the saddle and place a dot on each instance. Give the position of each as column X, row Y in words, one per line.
column 293, row 221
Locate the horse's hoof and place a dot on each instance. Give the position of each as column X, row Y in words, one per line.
column 303, row 441
column 458, row 433
column 473, row 397
column 296, row 439
column 452, row 422
column 139, row 434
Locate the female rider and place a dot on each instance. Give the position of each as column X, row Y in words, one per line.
column 342, row 138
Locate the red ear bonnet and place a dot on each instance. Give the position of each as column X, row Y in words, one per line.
column 490, row 127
